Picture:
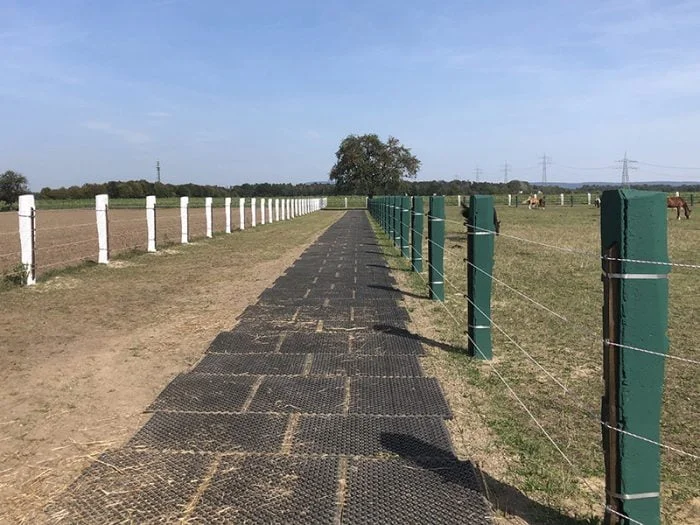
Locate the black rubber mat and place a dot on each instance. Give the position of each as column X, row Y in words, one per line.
column 377, row 315
column 394, row 396
column 271, row 489
column 129, row 486
column 204, row 393
column 413, row 492
column 240, row 342
column 366, row 365
column 372, row 435
column 312, row 395
column 377, row 343
column 315, row 342
column 185, row 431
column 256, row 364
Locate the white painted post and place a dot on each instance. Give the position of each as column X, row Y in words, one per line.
column 227, row 208
column 253, row 211
column 27, row 236
column 208, row 215
column 459, row 200
column 269, row 211
column 262, row 210
column 510, row 200
column 277, row 210
column 292, row 208
column 151, row 223
column 678, row 194
column 241, row 213
column 101, row 207
column 346, row 202
column 589, row 199
column 561, row 198
column 184, row 220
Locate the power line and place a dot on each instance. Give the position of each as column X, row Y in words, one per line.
column 625, row 170
column 545, row 160
column 668, row 167
column 506, row 168
column 477, row 173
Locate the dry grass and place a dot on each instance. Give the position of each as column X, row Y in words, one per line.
column 83, row 353
column 493, row 427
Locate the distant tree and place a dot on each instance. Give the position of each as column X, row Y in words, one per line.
column 366, row 165
column 12, row 185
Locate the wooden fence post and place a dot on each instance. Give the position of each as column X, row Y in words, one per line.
column 184, row 220
column 635, row 313
column 227, row 211
column 417, row 234
column 436, row 242
column 480, row 245
column 241, row 214
column 102, row 211
column 208, row 216
column 151, row 223
column 405, row 226
column 27, row 237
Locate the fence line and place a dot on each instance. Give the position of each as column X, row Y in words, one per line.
column 154, row 227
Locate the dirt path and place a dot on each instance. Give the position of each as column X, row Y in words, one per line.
column 83, row 354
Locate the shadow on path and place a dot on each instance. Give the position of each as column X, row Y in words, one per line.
column 402, row 332
column 396, row 290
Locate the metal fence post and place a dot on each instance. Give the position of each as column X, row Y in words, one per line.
column 397, row 221
column 436, row 242
column 405, row 226
column 417, row 234
column 480, row 245
column 635, row 314
column 27, row 237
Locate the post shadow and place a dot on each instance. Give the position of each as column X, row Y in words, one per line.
column 402, row 332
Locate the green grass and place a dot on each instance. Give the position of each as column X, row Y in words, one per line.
column 571, row 350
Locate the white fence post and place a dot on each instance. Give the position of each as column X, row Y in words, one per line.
column 269, row 211
column 252, row 212
column 151, row 223
column 184, row 220
column 277, row 210
column 678, row 194
column 227, row 208
column 208, row 216
column 241, row 213
column 589, row 199
column 561, row 199
column 510, row 200
column 262, row 210
column 101, row 207
column 346, row 202
column 27, row 236
column 459, row 200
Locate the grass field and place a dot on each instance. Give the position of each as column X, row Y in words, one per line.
column 514, row 450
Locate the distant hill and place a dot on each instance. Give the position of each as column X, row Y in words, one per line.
column 575, row 185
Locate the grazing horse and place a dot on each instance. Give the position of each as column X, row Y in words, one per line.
column 597, row 202
column 496, row 222
column 678, row 203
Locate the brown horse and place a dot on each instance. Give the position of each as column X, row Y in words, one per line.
column 678, row 203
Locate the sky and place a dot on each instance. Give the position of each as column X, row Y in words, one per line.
column 229, row 92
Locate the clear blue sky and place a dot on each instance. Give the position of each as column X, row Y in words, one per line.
column 227, row 92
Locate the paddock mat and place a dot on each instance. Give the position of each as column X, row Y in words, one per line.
column 313, row 408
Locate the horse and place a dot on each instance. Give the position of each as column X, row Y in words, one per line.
column 535, row 202
column 678, row 203
column 496, row 222
column 597, row 202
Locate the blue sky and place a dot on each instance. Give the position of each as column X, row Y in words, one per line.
column 227, row 92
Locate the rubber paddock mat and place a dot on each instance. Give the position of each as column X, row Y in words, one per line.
column 256, row 364
column 372, row 435
column 310, row 395
column 186, row 431
column 377, row 343
column 130, row 486
column 366, row 365
column 204, row 393
column 378, row 315
column 327, row 314
column 271, row 489
column 315, row 342
column 417, row 492
column 242, row 342
column 397, row 396
column 274, row 326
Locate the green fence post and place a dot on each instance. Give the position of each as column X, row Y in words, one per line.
column 571, row 200
column 480, row 245
column 692, row 199
column 436, row 242
column 405, row 226
column 635, row 314
column 397, row 221
column 390, row 229
column 417, row 234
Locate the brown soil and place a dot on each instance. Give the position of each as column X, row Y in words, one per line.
column 84, row 353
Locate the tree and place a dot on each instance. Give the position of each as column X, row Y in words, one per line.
column 12, row 185
column 366, row 166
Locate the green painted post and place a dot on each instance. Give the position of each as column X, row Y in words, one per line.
column 436, row 243
column 480, row 246
column 635, row 314
column 384, row 213
column 571, row 200
column 692, row 199
column 405, row 226
column 390, row 229
column 397, row 221
column 417, row 234
column 516, row 200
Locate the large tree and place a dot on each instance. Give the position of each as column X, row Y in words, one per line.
column 12, row 185
column 366, row 166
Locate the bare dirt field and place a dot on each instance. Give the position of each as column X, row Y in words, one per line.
column 84, row 353
column 69, row 237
